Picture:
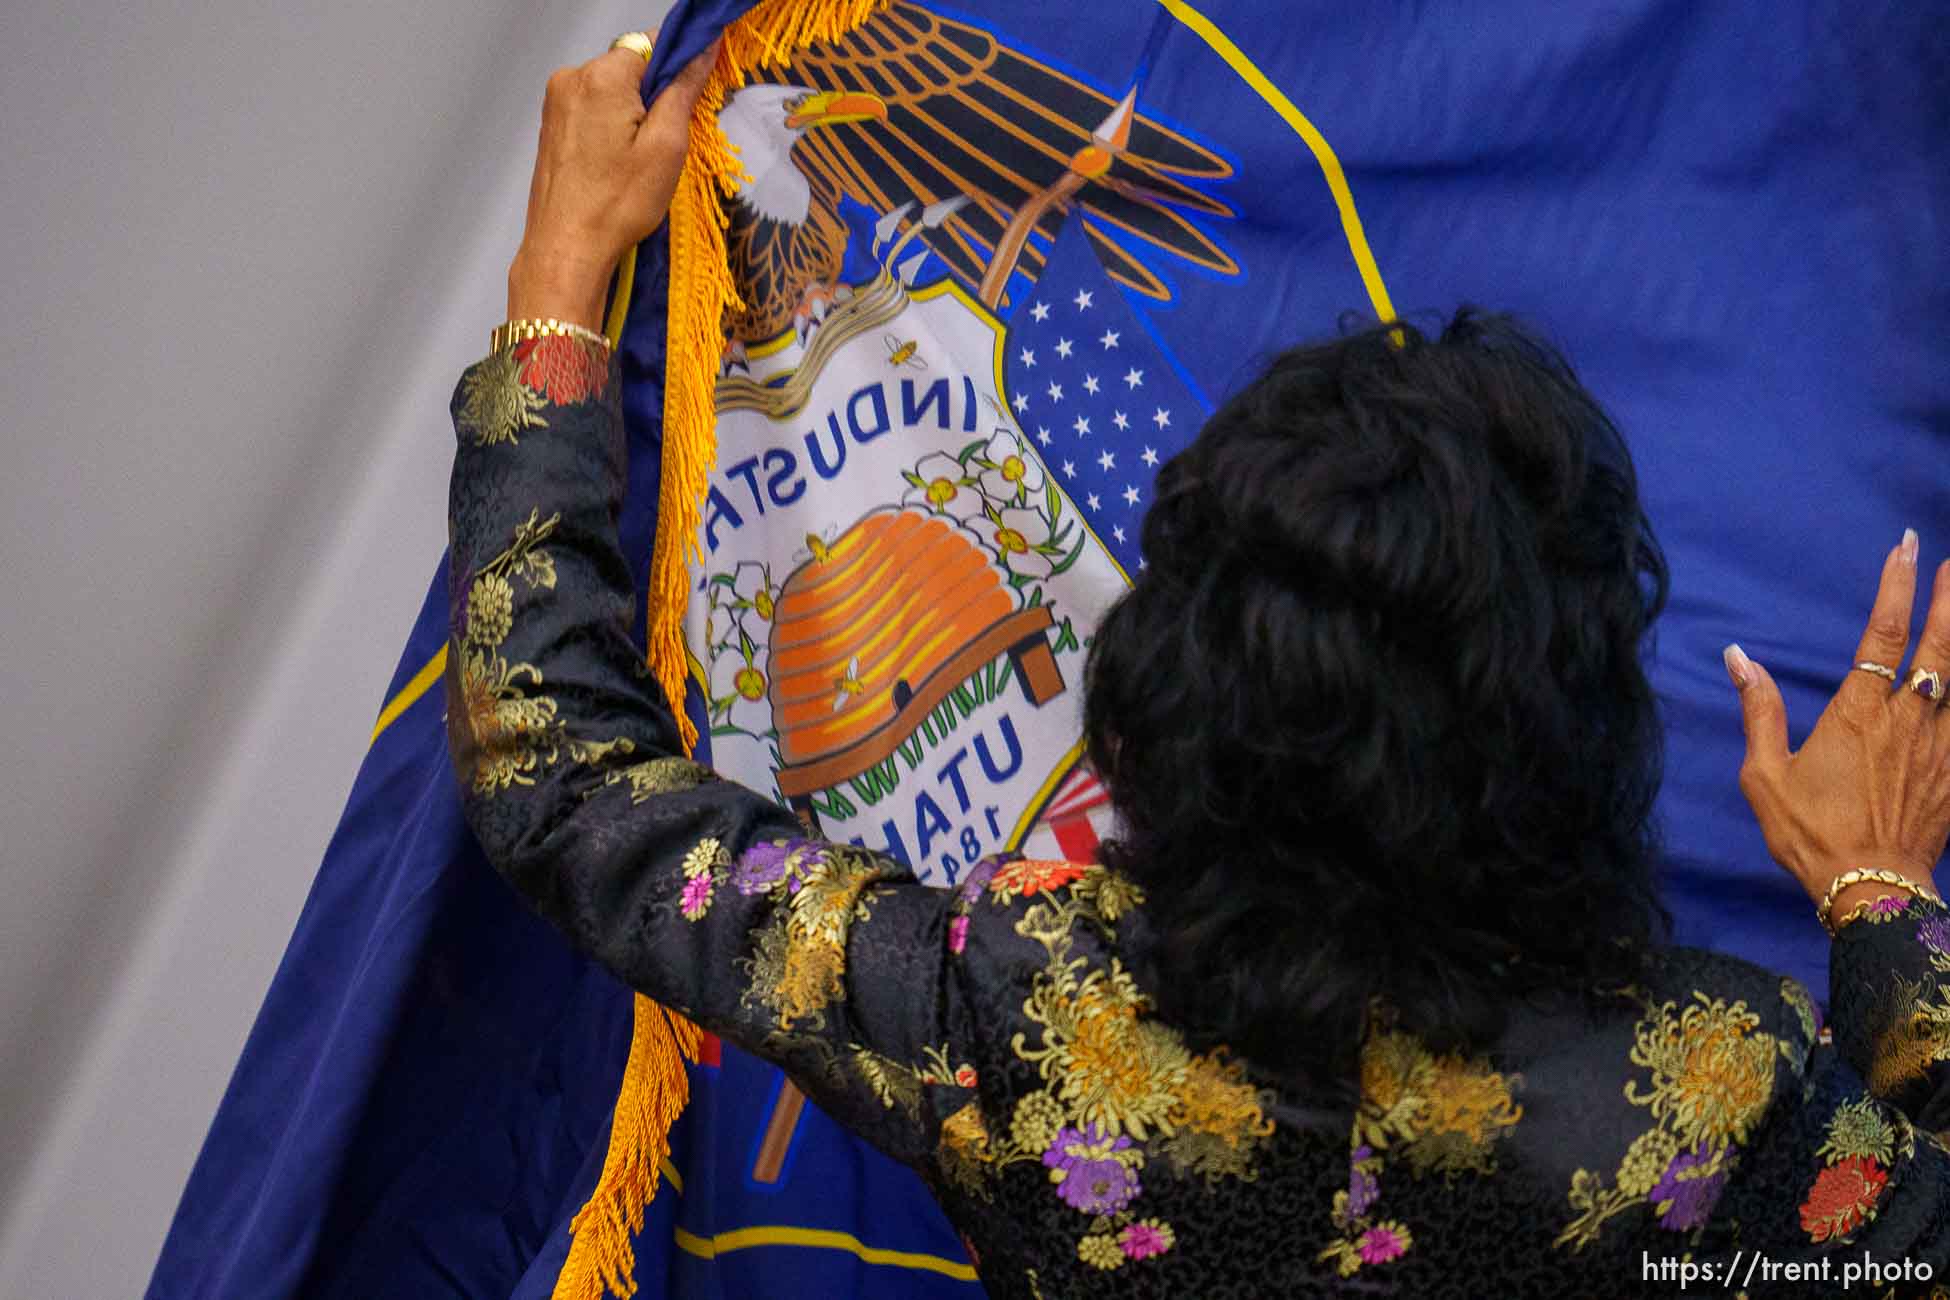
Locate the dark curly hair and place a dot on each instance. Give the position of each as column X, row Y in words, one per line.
column 1374, row 716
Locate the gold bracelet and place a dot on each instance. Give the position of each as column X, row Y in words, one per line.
column 1825, row 909
column 509, row 333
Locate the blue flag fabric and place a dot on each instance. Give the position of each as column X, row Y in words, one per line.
column 1735, row 219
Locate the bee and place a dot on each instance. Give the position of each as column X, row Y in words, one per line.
column 847, row 684
column 818, row 547
column 904, row 353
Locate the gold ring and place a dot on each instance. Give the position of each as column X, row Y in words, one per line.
column 640, row 43
column 1927, row 684
column 1880, row 670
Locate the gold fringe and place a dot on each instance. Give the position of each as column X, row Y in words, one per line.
column 701, row 293
column 655, row 1090
column 655, row 1085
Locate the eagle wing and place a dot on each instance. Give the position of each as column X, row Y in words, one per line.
column 967, row 116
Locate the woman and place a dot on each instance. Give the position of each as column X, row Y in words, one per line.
column 1368, row 997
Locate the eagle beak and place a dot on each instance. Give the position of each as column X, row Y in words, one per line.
column 832, row 107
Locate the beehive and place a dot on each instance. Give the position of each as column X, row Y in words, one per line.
column 874, row 630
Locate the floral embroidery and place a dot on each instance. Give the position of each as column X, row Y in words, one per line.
column 1119, row 1089
column 1106, row 891
column 563, row 369
column 1803, row 1006
column 798, row 968
column 1866, row 1127
column 701, row 867
column 1218, row 1119
column 1093, row 1171
column 1363, row 1241
column 1108, row 1064
column 958, row 934
column 1864, row 1137
column 1447, row 1111
column 1843, row 1198
column 515, row 729
column 495, row 404
column 1099, row 1250
column 657, row 776
column 1912, row 1034
column 696, row 897
column 1383, row 1242
column 1689, row 1188
column 1712, row 1079
column 1145, row 1238
column 1443, row 1114
column 1028, row 877
column 1934, row 934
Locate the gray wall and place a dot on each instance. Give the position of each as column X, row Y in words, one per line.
column 247, row 250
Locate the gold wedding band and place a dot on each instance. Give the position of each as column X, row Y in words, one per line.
column 640, row 43
column 1880, row 670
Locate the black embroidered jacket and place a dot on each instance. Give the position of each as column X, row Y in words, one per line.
column 991, row 1036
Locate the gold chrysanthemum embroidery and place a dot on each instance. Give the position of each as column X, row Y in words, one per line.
column 1803, row 1006
column 965, row 1151
column 1863, row 1128
column 1100, row 1251
column 495, row 405
column 1469, row 1106
column 657, row 776
column 1712, row 1069
column 490, row 610
column 1037, row 1118
column 1218, row 1117
column 704, row 857
column 1107, row 893
column 1109, row 1065
column 1910, row 1036
column 800, row 964
column 512, row 731
column 964, row 1133
column 1396, row 1073
column 1646, row 1160
column 890, row 1081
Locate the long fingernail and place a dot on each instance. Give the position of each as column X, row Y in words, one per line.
column 1739, row 666
column 1908, row 548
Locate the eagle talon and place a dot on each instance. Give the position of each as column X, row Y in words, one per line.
column 817, row 300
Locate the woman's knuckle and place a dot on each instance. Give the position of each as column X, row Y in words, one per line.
column 1887, row 630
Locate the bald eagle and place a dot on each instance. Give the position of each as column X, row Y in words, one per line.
column 912, row 110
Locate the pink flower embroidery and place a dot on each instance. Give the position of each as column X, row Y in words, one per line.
column 958, row 934
column 1889, row 905
column 1146, row 1238
column 696, row 898
column 1380, row 1244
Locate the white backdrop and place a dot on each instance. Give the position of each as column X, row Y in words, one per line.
column 248, row 248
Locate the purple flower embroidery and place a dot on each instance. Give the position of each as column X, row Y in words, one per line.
column 1087, row 1173
column 1935, row 934
column 1691, row 1198
column 958, row 934
column 762, row 865
column 1362, row 1186
column 977, row 879
column 1889, row 905
column 696, row 898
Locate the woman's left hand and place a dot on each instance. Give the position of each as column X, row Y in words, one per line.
column 605, row 168
column 1870, row 787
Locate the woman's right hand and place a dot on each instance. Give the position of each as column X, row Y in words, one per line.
column 1870, row 788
